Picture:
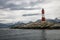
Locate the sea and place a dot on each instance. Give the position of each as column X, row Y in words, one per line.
column 29, row 34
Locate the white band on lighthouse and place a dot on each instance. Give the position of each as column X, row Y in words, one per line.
column 43, row 15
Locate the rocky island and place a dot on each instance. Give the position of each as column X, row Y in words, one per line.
column 38, row 25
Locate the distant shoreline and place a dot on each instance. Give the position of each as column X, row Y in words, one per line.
column 35, row 28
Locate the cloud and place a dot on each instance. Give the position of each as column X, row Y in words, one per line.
column 12, row 10
column 30, row 14
column 19, row 4
column 52, row 8
column 25, row 8
column 16, row 15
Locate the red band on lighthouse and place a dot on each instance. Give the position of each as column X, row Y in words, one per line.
column 42, row 11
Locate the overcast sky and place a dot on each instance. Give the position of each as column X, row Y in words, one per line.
column 13, row 10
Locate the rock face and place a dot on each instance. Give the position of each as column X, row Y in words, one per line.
column 38, row 24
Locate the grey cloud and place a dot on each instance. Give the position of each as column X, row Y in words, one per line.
column 30, row 14
column 2, row 20
column 2, row 14
column 8, row 17
column 5, row 4
column 37, row 2
column 25, row 8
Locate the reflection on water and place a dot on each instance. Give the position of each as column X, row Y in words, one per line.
column 43, row 35
column 29, row 34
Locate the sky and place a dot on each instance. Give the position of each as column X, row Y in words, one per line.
column 12, row 11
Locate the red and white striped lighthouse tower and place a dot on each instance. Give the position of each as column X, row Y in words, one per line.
column 43, row 15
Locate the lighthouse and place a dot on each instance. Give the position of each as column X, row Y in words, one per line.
column 43, row 15
column 43, row 20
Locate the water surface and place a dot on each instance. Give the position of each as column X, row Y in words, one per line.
column 29, row 34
